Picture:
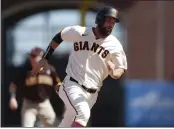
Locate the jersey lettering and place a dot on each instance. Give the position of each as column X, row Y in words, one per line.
column 105, row 53
column 94, row 48
column 101, row 48
column 76, row 47
column 86, row 46
column 81, row 45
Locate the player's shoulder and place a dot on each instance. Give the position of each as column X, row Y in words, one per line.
column 77, row 28
column 115, row 42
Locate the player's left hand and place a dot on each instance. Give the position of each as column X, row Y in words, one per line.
column 115, row 73
column 42, row 64
column 111, row 66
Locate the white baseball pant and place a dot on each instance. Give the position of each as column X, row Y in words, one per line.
column 43, row 110
column 78, row 103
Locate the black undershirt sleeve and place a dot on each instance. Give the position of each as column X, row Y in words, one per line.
column 49, row 51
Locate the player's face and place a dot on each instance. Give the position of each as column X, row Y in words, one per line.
column 106, row 28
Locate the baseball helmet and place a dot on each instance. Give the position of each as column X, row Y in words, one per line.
column 106, row 11
column 36, row 51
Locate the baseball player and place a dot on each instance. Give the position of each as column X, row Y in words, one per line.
column 96, row 54
column 36, row 91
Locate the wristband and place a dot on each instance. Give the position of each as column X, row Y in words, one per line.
column 48, row 53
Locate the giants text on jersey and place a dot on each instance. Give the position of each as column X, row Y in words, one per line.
column 88, row 61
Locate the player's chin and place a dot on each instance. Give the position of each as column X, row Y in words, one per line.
column 108, row 32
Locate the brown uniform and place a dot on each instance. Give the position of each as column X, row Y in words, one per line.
column 36, row 91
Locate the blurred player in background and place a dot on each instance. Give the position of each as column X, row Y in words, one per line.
column 36, row 91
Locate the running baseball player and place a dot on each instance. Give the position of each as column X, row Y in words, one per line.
column 36, row 91
column 96, row 55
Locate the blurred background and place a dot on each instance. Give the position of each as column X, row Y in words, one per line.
column 144, row 96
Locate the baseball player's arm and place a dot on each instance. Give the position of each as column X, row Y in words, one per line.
column 70, row 33
column 118, row 64
column 12, row 90
column 13, row 102
column 56, row 80
column 58, row 83
column 53, row 45
column 49, row 51
column 115, row 73
column 67, row 34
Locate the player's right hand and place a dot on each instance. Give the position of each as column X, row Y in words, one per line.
column 39, row 67
column 13, row 103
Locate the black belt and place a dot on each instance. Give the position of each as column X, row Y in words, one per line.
column 84, row 87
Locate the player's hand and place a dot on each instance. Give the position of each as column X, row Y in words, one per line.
column 13, row 103
column 115, row 73
column 111, row 66
column 43, row 63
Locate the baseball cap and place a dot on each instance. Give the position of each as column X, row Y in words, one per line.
column 36, row 51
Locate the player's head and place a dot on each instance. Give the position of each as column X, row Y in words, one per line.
column 36, row 54
column 106, row 19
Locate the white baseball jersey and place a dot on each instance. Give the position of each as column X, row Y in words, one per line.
column 88, row 59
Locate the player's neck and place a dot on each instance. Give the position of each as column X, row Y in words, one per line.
column 97, row 33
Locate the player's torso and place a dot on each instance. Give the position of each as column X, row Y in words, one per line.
column 39, row 87
column 90, row 56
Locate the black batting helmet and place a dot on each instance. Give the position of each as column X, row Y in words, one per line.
column 106, row 11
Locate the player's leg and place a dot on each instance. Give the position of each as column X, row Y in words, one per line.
column 47, row 114
column 69, row 113
column 92, row 98
column 28, row 113
column 77, row 107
